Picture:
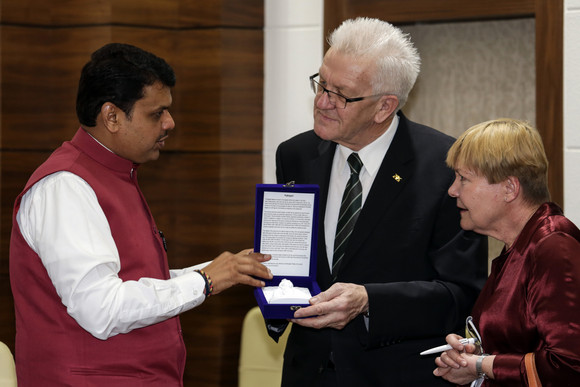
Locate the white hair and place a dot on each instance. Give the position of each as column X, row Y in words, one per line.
column 396, row 59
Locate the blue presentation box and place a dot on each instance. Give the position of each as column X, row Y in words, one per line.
column 286, row 226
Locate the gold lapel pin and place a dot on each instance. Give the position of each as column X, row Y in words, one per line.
column 397, row 178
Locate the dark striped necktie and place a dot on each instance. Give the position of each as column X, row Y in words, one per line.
column 350, row 208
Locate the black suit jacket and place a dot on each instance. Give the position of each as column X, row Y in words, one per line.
column 421, row 271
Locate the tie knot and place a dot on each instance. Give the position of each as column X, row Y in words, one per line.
column 355, row 163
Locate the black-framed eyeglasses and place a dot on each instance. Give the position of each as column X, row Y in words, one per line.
column 336, row 99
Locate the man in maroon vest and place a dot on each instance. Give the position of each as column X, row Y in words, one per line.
column 96, row 303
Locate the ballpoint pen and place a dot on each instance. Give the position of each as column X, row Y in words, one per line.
column 447, row 347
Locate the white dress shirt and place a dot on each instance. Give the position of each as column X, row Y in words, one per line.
column 372, row 157
column 61, row 220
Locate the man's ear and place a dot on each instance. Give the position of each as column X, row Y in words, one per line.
column 109, row 115
column 388, row 105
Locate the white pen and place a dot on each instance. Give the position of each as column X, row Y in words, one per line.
column 447, row 347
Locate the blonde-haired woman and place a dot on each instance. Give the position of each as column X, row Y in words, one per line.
column 531, row 301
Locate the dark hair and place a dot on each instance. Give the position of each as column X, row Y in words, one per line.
column 118, row 73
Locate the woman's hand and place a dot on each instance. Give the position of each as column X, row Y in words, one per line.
column 456, row 368
column 457, row 365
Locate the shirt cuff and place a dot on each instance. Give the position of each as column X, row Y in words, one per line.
column 191, row 287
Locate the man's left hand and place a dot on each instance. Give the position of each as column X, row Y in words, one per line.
column 334, row 308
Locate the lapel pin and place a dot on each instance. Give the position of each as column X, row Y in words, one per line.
column 397, row 178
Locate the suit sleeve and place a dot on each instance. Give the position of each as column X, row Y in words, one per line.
column 416, row 309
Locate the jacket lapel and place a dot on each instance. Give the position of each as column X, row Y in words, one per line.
column 395, row 172
column 320, row 174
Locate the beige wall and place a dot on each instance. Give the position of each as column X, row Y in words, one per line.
column 571, row 110
column 473, row 72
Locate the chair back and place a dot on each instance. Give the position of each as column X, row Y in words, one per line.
column 7, row 367
column 261, row 358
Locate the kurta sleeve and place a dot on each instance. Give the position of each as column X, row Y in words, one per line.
column 62, row 221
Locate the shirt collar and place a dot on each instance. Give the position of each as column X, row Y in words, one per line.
column 371, row 155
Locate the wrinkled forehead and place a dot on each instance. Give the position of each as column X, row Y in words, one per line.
column 345, row 71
